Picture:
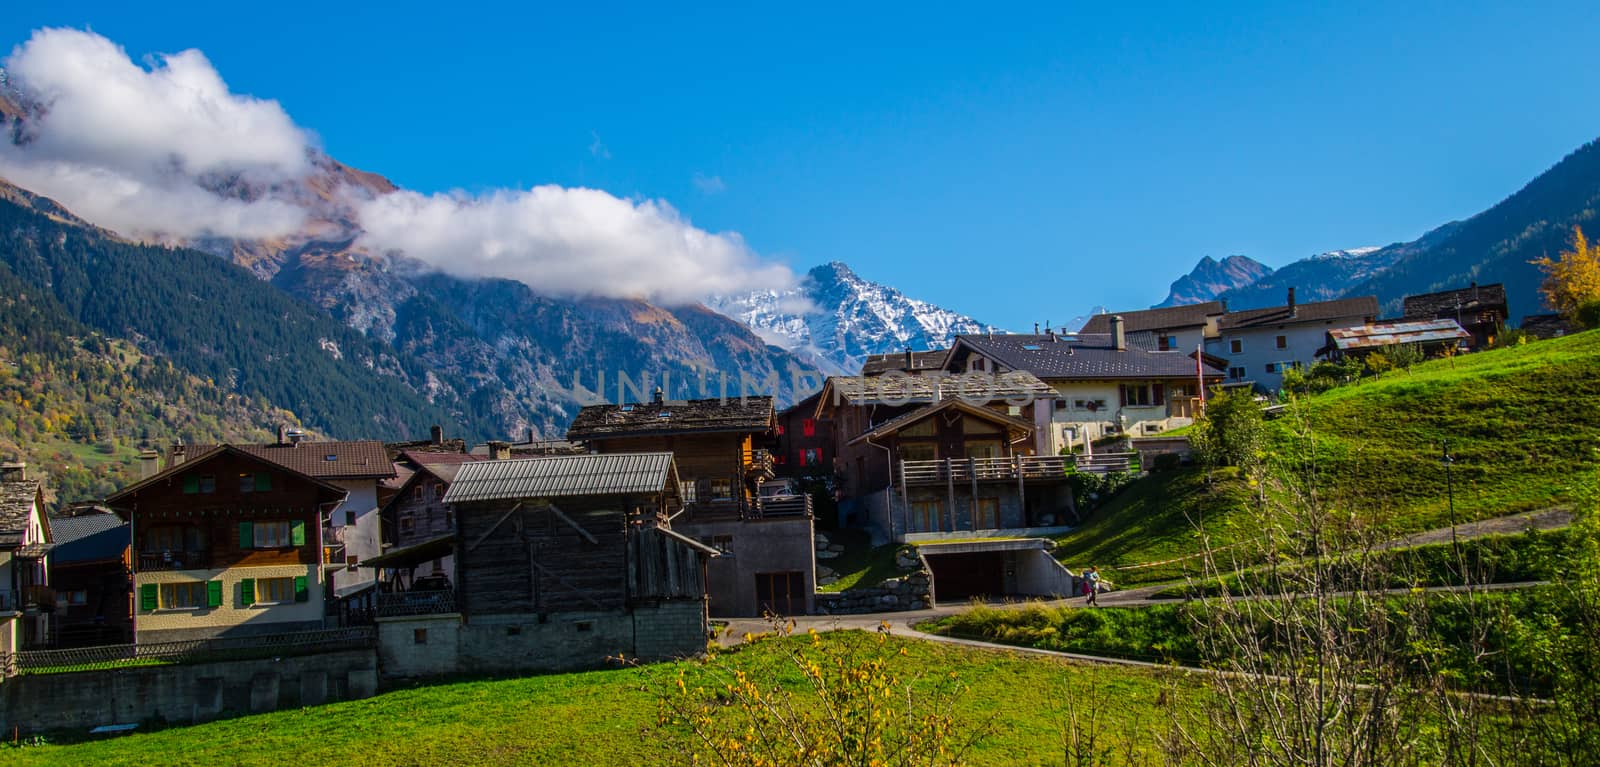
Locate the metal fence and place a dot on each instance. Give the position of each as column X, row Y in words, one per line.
column 417, row 603
column 187, row 651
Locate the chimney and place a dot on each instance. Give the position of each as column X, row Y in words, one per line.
column 1036, row 328
column 1293, row 312
column 658, row 396
column 531, row 440
column 178, row 454
column 436, row 435
column 499, row 451
column 13, row 471
column 1474, row 290
column 1224, row 303
column 1119, row 339
column 283, row 434
column 149, row 462
column 910, row 360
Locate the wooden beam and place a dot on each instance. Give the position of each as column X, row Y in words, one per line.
column 574, row 525
column 495, row 526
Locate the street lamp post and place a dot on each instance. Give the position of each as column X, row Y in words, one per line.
column 1450, row 495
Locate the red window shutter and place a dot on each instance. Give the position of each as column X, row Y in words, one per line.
column 1158, row 394
column 808, row 428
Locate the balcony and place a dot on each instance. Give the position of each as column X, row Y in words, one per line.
column 333, row 552
column 174, row 560
column 757, row 462
column 435, row 602
column 1021, row 468
column 795, row 506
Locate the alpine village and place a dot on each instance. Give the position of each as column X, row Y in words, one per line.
column 309, row 496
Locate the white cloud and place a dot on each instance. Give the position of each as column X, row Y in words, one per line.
column 565, row 241
column 709, row 184
column 140, row 150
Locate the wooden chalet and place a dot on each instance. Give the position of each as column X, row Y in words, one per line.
column 566, row 561
column 419, row 528
column 947, row 456
column 90, row 573
column 723, row 449
column 226, row 543
column 1480, row 310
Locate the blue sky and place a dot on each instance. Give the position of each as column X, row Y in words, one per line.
column 1020, row 165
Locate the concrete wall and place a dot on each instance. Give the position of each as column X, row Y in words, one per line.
column 183, row 693
column 231, row 618
column 756, row 546
column 1040, row 575
column 496, row 644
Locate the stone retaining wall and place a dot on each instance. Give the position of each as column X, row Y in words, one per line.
column 911, row 591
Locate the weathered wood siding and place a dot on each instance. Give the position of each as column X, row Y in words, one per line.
column 662, row 567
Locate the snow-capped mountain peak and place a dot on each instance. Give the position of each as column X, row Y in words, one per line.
column 834, row 319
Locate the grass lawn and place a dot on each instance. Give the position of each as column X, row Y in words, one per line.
column 1520, row 423
column 861, row 563
column 610, row 717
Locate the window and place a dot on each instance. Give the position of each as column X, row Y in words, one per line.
column 271, row 534
column 350, row 562
column 780, row 459
column 349, row 517
column 449, row 517
column 1166, row 343
column 1236, row 346
column 979, row 364
column 721, row 489
column 808, row 428
column 199, row 483
column 917, row 451
column 419, row 636
column 1061, row 404
column 687, row 489
column 583, row 625
column 274, row 590
column 986, row 514
column 258, row 482
column 416, row 491
column 722, row 543
column 438, row 491
column 1283, row 342
column 407, row 523
column 925, row 516
column 69, row 598
column 811, row 456
column 183, row 596
column 1272, row 367
column 247, row 483
column 173, row 538
column 1236, row 374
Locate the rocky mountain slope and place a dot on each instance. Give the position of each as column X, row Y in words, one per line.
column 834, row 319
column 1210, row 278
column 1321, row 277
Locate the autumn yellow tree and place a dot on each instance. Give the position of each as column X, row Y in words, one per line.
column 1572, row 282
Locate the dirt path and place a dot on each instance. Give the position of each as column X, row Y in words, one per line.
column 1547, row 519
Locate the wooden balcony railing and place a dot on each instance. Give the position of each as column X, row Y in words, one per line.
column 757, row 461
column 967, row 470
column 174, row 560
column 785, row 506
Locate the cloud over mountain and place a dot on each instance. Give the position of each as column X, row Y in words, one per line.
column 167, row 151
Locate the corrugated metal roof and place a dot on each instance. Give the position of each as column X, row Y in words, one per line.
column 561, row 476
column 1391, row 333
column 973, row 387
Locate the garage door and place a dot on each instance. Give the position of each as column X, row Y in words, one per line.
column 958, row 577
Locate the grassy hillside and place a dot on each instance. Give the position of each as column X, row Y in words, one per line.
column 611, row 717
column 1519, row 422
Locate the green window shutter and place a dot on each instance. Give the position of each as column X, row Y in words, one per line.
column 297, row 532
column 263, row 481
column 147, row 596
column 301, row 593
column 247, row 592
column 191, row 484
column 247, row 535
column 213, row 593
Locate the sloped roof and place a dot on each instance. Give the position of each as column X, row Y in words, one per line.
column 201, row 455
column 107, row 543
column 878, row 364
column 749, row 414
column 1167, row 317
column 900, row 390
column 1316, row 311
column 1546, row 325
column 1446, row 303
column 562, row 476
column 906, row 419
column 1086, row 356
column 66, row 529
column 1379, row 334
column 361, row 459
column 17, row 499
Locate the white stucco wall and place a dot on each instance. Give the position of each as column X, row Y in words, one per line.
column 1258, row 348
column 364, row 538
column 1069, row 426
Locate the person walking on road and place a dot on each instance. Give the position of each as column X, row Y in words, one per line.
column 1091, row 584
